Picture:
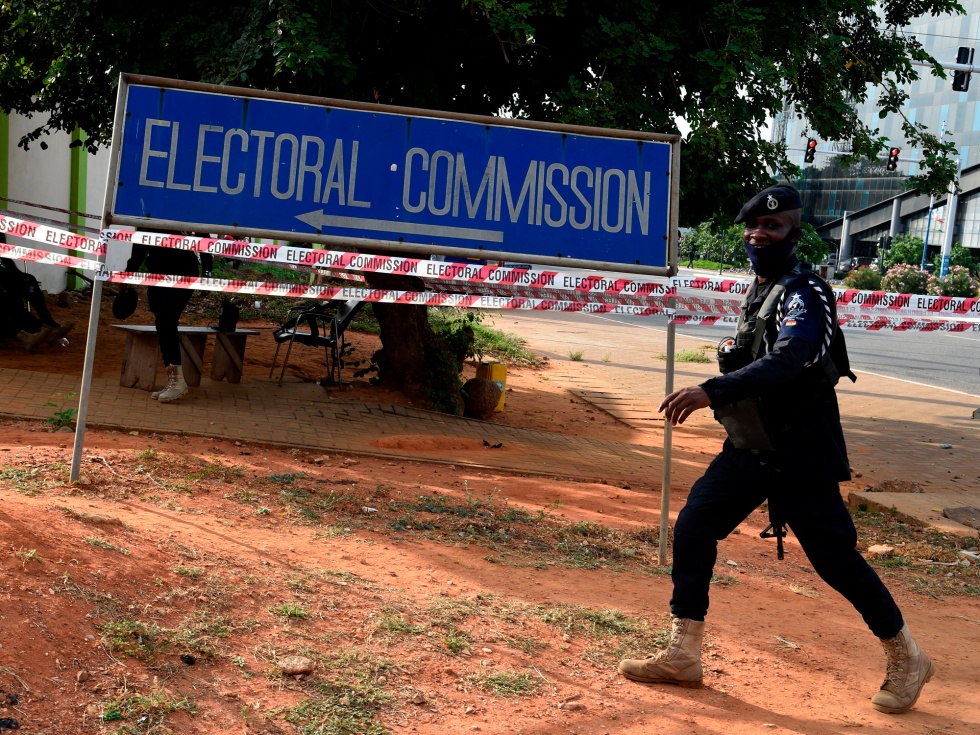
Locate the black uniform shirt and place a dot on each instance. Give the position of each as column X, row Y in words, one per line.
column 784, row 380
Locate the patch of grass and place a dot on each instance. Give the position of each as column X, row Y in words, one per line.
column 333, row 530
column 133, row 638
column 27, row 481
column 503, row 346
column 147, row 713
column 201, row 634
column 213, row 470
column 528, row 645
column 189, row 572
column 691, row 355
column 287, row 478
column 26, row 555
column 613, row 634
column 576, row 355
column 924, row 557
column 592, row 623
column 508, row 684
column 64, row 415
column 392, row 622
column 244, row 495
column 528, row 538
column 289, row 611
column 723, row 579
column 456, row 641
column 299, row 584
column 103, row 544
column 345, row 704
column 447, row 613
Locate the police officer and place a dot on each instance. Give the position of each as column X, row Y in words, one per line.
column 785, row 444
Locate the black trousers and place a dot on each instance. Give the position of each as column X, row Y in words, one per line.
column 24, row 286
column 14, row 317
column 167, row 304
column 735, row 485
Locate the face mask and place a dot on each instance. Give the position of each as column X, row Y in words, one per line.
column 768, row 261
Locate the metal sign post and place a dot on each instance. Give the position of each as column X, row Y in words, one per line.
column 95, row 308
column 668, row 445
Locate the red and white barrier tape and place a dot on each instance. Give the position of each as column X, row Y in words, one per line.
column 431, row 270
column 46, row 257
column 50, row 235
column 703, row 320
column 417, row 298
column 906, row 324
column 907, row 304
column 503, row 282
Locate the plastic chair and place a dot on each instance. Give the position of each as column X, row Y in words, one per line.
column 317, row 325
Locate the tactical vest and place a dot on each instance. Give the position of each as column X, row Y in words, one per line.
column 831, row 361
column 769, row 422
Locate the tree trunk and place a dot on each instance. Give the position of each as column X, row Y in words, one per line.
column 412, row 357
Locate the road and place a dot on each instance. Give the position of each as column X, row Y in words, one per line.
column 941, row 360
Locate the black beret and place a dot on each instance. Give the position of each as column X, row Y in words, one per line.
column 779, row 198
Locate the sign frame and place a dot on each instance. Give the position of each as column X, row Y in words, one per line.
column 113, row 218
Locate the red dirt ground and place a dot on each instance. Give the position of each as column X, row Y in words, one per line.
column 433, row 598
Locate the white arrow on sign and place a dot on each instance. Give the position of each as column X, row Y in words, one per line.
column 318, row 220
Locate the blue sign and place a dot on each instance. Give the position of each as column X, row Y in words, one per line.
column 229, row 162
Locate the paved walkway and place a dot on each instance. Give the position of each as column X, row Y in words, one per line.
column 304, row 415
column 896, row 431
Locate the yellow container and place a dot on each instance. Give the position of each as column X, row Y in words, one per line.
column 496, row 372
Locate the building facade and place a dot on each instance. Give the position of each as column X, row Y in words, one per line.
column 830, row 191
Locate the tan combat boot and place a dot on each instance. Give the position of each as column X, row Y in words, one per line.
column 31, row 340
column 171, row 378
column 175, row 389
column 908, row 670
column 679, row 663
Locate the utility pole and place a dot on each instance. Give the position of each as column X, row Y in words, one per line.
column 932, row 203
column 925, row 244
column 951, row 202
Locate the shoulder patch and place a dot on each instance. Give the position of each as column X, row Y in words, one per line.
column 794, row 308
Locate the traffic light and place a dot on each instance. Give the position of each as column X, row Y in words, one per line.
column 811, row 149
column 893, row 158
column 961, row 79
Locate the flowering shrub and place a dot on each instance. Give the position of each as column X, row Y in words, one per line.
column 863, row 279
column 905, row 278
column 957, row 282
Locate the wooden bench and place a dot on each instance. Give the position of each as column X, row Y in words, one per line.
column 142, row 354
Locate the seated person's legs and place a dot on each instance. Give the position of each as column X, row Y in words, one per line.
column 19, row 322
column 23, row 286
column 35, row 297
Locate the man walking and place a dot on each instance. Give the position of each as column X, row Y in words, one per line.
column 785, row 444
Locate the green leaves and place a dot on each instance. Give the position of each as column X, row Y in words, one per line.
column 725, row 67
